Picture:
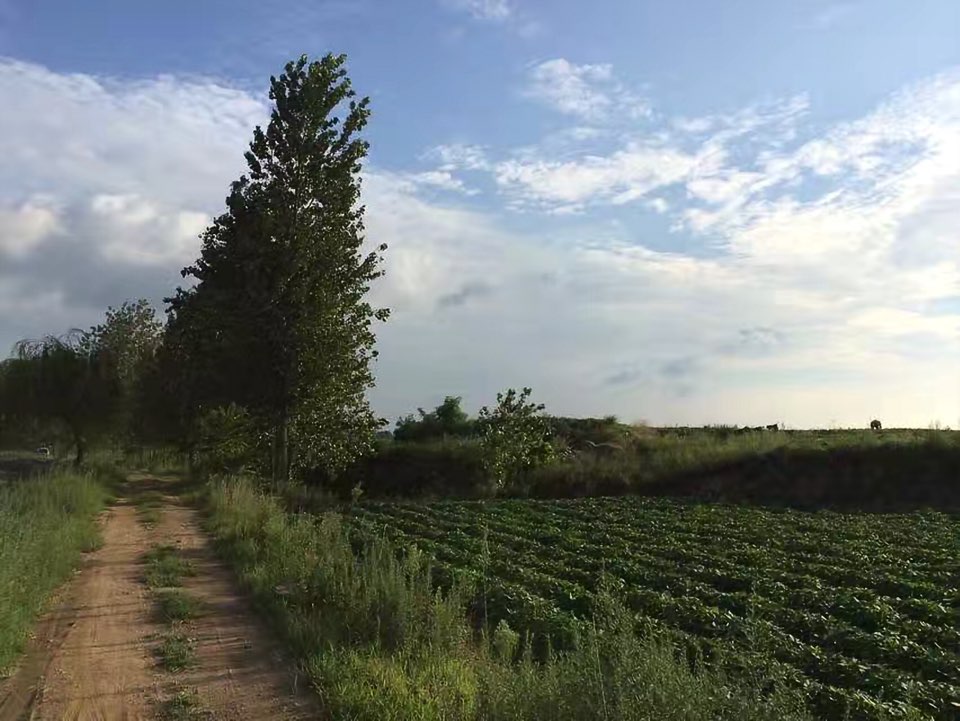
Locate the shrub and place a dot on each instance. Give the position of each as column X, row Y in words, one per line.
column 515, row 438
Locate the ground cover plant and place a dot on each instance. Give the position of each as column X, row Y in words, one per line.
column 861, row 610
column 46, row 522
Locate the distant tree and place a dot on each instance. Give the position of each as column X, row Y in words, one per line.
column 279, row 312
column 447, row 420
column 127, row 342
column 515, row 437
column 62, row 379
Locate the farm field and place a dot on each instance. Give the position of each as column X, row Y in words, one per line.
column 861, row 610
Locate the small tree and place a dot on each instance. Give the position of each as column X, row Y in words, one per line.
column 515, row 437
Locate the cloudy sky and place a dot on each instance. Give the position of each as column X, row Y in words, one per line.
column 681, row 212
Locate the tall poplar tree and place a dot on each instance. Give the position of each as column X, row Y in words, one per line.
column 283, row 280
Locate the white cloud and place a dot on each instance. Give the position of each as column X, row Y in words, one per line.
column 590, row 92
column 619, row 178
column 814, row 307
column 26, row 226
column 105, row 186
column 458, row 156
column 440, row 179
column 493, row 10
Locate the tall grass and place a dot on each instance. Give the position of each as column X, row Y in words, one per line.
column 46, row 521
column 379, row 642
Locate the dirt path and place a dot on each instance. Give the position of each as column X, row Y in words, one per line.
column 93, row 654
column 240, row 672
column 89, row 658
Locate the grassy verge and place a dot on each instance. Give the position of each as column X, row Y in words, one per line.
column 379, row 642
column 46, row 522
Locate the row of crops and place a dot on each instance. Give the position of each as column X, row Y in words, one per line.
column 862, row 610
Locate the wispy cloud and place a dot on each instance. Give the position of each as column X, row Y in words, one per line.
column 590, row 92
column 491, row 10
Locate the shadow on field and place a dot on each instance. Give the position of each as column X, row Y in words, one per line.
column 896, row 477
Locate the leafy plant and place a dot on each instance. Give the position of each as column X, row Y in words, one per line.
column 515, row 437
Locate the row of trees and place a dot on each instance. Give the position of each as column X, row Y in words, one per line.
column 82, row 384
column 275, row 327
column 265, row 358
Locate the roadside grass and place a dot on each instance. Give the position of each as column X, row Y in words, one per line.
column 165, row 568
column 379, row 642
column 46, row 522
column 176, row 652
column 177, row 606
column 183, row 706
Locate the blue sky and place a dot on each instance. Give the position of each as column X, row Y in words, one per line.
column 686, row 212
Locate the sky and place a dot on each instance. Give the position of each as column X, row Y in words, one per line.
column 684, row 212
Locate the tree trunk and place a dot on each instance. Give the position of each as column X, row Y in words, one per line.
column 81, row 449
column 281, row 450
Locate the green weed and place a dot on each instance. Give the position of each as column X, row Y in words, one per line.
column 177, row 606
column 164, row 568
column 183, row 706
column 176, row 652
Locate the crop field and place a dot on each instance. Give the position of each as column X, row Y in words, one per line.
column 862, row 610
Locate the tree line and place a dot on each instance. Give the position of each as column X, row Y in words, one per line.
column 275, row 334
column 264, row 359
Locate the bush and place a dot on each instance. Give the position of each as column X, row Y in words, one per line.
column 226, row 441
column 441, row 469
column 448, row 420
column 515, row 438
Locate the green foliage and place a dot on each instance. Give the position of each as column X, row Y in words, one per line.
column 176, row 652
column 45, row 523
column 278, row 321
column 64, row 381
column 379, row 642
column 183, row 706
column 515, row 438
column 448, row 420
column 176, row 606
column 856, row 609
column 226, row 440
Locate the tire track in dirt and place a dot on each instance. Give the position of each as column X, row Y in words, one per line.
column 240, row 672
column 89, row 657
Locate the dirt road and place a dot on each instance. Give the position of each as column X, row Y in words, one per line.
column 94, row 653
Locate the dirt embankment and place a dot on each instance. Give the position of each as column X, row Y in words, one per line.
column 93, row 654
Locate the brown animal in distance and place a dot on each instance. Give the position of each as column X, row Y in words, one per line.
column 875, row 425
